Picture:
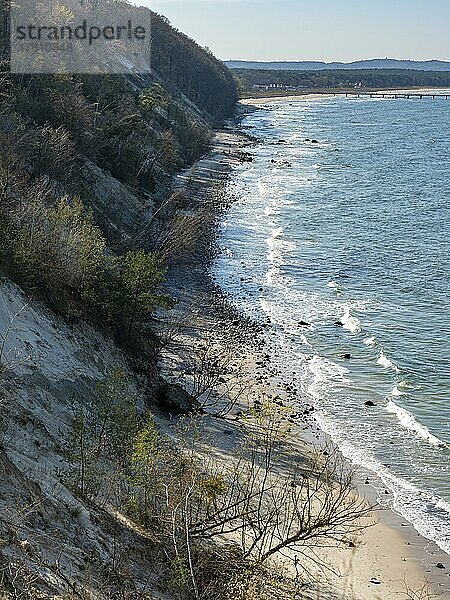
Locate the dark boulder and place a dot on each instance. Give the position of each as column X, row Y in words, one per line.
column 369, row 403
column 173, row 399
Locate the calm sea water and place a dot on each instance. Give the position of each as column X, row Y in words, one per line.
column 352, row 236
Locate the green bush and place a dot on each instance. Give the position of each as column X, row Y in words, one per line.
column 59, row 252
column 57, row 249
column 140, row 276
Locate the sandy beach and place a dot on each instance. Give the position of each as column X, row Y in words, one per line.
column 388, row 557
column 311, row 96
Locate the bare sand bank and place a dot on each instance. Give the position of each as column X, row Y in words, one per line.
column 384, row 557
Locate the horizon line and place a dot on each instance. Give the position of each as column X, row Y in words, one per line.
column 344, row 62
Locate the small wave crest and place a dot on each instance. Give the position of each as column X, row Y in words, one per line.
column 350, row 322
column 261, row 188
column 304, row 340
column 325, row 373
column 398, row 389
column 272, row 275
column 277, row 247
column 370, row 341
column 408, row 421
column 269, row 211
column 273, row 255
column 277, row 232
column 386, row 363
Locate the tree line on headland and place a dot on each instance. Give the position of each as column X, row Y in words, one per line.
column 253, row 81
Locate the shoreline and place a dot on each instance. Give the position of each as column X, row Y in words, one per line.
column 391, row 549
column 308, row 96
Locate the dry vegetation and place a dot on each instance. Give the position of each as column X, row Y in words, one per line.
column 199, row 510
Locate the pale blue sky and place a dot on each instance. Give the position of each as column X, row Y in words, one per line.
column 314, row 29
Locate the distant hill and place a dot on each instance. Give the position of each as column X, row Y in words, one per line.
column 377, row 63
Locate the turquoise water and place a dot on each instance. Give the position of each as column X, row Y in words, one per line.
column 351, row 235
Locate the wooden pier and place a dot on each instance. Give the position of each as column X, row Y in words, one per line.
column 393, row 95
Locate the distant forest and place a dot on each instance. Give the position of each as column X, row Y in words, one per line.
column 255, row 80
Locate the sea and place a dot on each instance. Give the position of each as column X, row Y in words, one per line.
column 339, row 239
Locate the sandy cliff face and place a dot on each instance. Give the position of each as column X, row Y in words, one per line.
column 47, row 534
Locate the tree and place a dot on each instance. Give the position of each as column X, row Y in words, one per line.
column 141, row 276
column 78, row 243
column 145, row 454
column 104, row 427
column 13, row 357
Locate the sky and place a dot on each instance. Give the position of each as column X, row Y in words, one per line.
column 325, row 30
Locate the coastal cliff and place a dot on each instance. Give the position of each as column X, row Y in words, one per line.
column 86, row 172
column 149, row 448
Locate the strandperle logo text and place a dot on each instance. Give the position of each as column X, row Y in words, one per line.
column 80, row 36
column 82, row 32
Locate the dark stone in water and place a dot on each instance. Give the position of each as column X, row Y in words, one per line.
column 369, row 403
column 304, row 324
column 314, row 141
column 440, row 566
column 339, row 323
column 347, row 356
